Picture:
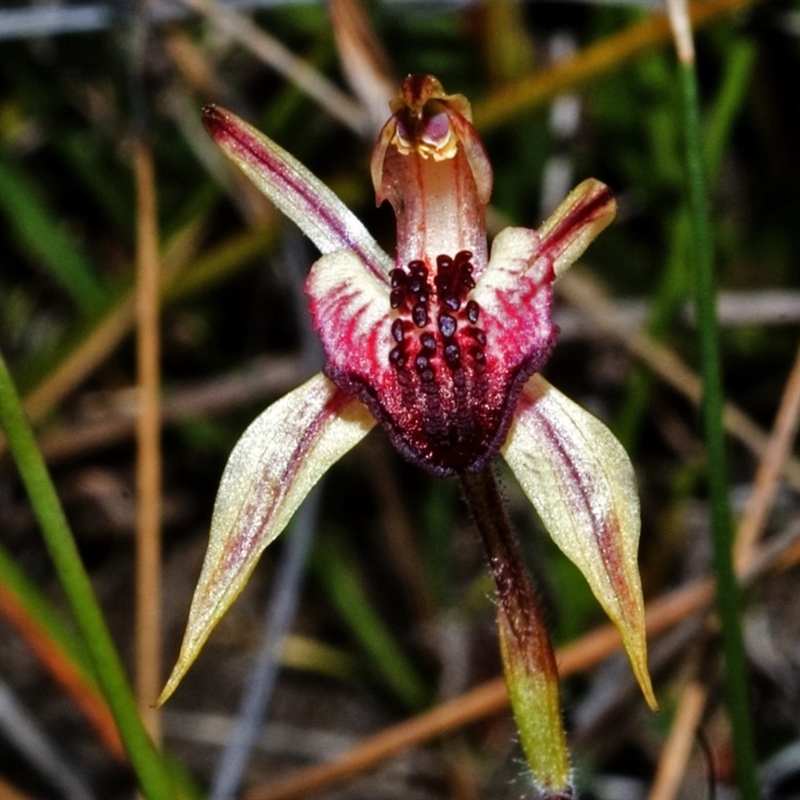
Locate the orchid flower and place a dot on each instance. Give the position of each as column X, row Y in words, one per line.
column 441, row 347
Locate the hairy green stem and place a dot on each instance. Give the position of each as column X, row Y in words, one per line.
column 728, row 599
column 505, row 561
column 528, row 659
column 147, row 763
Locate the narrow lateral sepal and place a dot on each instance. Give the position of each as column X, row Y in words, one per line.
column 274, row 465
column 581, row 482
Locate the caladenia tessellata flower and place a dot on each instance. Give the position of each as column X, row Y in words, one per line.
column 442, row 348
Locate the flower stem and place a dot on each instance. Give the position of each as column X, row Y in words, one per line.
column 148, row 764
column 528, row 659
column 728, row 599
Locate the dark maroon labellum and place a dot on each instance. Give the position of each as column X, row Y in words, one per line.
column 439, row 402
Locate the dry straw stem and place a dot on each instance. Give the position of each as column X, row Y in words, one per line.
column 148, row 440
column 264, row 378
column 193, row 65
column 675, row 757
column 775, row 454
column 609, row 54
column 297, row 71
column 364, row 61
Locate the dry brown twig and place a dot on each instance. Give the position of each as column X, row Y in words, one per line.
column 766, row 482
column 262, row 379
column 363, row 59
column 148, row 438
column 272, row 52
column 585, row 292
column 675, row 756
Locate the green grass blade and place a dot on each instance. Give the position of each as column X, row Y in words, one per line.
column 728, row 599
column 347, row 594
column 674, row 284
column 150, row 768
column 40, row 232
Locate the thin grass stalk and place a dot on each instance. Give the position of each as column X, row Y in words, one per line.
column 148, row 378
column 296, row 70
column 767, row 478
column 150, row 769
column 728, row 597
column 148, row 451
column 675, row 757
column 672, row 288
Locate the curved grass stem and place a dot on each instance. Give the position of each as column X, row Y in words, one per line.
column 150, row 768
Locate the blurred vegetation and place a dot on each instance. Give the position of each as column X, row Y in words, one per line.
column 393, row 614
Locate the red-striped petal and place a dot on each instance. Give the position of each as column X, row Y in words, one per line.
column 308, row 202
column 515, row 299
column 580, row 217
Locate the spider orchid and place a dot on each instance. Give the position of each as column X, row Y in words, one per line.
column 442, row 347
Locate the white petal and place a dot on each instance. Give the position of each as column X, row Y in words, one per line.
column 279, row 458
column 581, row 482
